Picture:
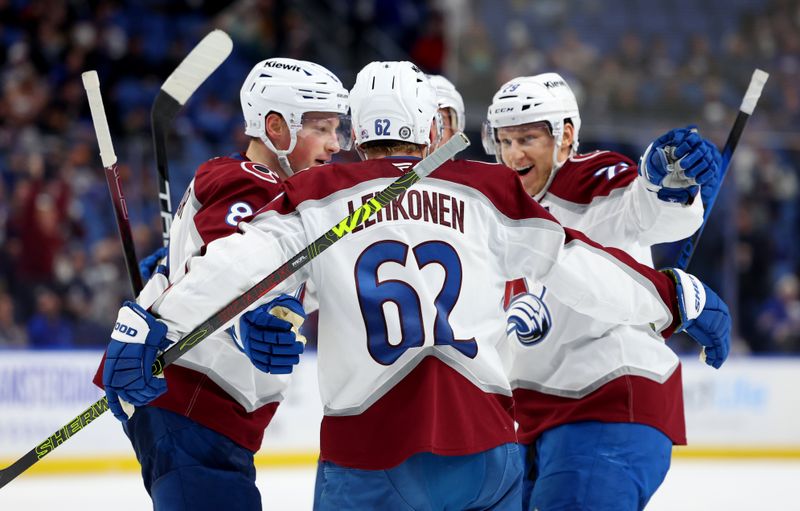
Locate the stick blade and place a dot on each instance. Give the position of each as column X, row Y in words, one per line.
column 204, row 58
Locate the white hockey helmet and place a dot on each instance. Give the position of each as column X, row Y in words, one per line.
column 448, row 97
column 393, row 101
column 291, row 88
column 542, row 98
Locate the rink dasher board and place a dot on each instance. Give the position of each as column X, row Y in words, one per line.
column 747, row 409
column 40, row 391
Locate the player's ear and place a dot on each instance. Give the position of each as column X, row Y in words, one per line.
column 275, row 125
column 277, row 130
column 569, row 135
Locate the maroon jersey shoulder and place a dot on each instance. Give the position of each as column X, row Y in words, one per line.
column 230, row 190
column 497, row 182
column 227, row 176
column 585, row 177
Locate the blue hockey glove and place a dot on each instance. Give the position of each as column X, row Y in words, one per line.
column 149, row 265
column 678, row 164
column 529, row 318
column 269, row 335
column 709, row 189
column 136, row 341
column 704, row 316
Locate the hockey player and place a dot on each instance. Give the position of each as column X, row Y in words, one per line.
column 599, row 404
column 417, row 405
column 451, row 107
column 196, row 442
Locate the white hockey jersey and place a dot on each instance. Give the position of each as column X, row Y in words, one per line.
column 215, row 384
column 584, row 367
column 408, row 326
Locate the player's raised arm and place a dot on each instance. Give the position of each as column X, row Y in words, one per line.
column 533, row 127
column 607, row 283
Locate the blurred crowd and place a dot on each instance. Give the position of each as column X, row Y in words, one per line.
column 638, row 68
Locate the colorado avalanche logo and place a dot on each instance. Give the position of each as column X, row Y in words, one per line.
column 528, row 316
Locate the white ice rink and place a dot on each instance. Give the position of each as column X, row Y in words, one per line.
column 691, row 485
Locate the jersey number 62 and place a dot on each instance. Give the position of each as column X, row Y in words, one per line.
column 373, row 293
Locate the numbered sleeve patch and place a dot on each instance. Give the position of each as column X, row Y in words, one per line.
column 237, row 212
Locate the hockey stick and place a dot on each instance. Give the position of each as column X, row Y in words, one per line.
column 92, row 85
column 198, row 65
column 209, row 326
column 757, row 82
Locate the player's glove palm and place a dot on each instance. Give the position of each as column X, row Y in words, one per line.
column 704, row 316
column 269, row 335
column 680, row 163
column 136, row 341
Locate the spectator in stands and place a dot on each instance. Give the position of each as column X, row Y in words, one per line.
column 779, row 320
column 630, row 79
column 12, row 335
column 49, row 327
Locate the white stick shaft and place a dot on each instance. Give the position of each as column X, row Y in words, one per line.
column 92, row 85
column 458, row 143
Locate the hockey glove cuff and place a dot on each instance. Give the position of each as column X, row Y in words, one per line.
column 136, row 341
column 703, row 315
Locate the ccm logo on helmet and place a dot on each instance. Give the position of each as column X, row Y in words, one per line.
column 125, row 329
column 503, row 109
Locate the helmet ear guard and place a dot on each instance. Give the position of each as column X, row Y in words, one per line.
column 489, row 139
column 438, row 129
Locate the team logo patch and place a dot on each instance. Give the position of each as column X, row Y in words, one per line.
column 404, row 132
column 260, row 171
column 364, row 134
column 527, row 314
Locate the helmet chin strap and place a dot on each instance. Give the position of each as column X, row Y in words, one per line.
column 283, row 155
column 283, row 161
column 556, row 164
